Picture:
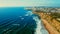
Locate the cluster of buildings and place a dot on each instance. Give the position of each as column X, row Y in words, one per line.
column 43, row 9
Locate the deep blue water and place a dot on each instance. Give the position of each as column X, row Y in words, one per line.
column 14, row 21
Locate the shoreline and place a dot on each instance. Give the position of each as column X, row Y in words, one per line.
column 52, row 26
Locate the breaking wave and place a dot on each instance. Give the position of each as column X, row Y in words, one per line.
column 40, row 27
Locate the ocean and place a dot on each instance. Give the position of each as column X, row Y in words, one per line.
column 17, row 20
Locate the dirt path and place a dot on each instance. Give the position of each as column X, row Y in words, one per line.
column 50, row 29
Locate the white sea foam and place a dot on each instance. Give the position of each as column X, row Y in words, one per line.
column 40, row 28
column 29, row 13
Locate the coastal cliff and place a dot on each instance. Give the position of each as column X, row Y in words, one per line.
column 50, row 18
column 51, row 23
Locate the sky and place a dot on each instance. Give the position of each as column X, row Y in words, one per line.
column 4, row 3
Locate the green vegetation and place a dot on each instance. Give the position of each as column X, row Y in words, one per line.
column 55, row 16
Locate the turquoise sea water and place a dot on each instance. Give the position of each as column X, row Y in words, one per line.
column 17, row 20
column 14, row 21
